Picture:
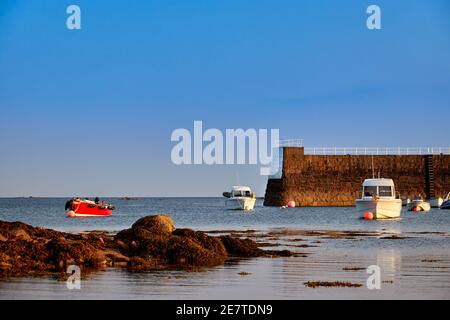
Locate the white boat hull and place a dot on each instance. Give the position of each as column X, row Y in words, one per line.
column 381, row 208
column 241, row 203
column 436, row 202
column 405, row 202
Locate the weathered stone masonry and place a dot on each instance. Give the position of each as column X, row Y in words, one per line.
column 329, row 180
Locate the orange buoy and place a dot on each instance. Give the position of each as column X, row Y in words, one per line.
column 71, row 214
column 415, row 209
column 291, row 204
column 368, row 216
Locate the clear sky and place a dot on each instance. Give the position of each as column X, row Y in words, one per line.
column 91, row 111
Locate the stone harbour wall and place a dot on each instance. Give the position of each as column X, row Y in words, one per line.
column 336, row 180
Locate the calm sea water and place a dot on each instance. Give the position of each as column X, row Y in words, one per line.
column 210, row 213
column 417, row 267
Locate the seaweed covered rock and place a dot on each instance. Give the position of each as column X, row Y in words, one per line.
column 158, row 224
column 155, row 238
column 62, row 253
column 20, row 231
column 241, row 247
column 195, row 248
column 147, row 237
column 20, row 257
column 16, row 231
column 207, row 242
column 26, row 250
column 152, row 243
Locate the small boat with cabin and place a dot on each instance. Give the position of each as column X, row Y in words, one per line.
column 240, row 198
column 379, row 200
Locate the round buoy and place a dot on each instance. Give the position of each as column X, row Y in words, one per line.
column 291, row 204
column 368, row 216
column 71, row 214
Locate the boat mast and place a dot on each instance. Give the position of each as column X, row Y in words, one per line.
column 373, row 170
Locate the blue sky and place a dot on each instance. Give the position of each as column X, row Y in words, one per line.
column 90, row 111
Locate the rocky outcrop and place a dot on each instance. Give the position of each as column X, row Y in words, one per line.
column 152, row 243
column 155, row 240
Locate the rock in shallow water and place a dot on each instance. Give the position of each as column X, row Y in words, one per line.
column 151, row 243
column 157, row 224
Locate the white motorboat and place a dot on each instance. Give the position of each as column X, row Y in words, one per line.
column 446, row 203
column 379, row 199
column 405, row 201
column 240, row 198
column 436, row 202
column 418, row 204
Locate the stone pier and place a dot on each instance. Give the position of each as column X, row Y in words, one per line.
column 336, row 180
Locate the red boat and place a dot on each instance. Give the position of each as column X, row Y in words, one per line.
column 87, row 208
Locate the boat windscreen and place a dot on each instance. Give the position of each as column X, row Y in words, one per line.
column 385, row 191
column 239, row 193
column 370, row 191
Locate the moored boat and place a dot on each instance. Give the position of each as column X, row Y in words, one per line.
column 86, row 208
column 418, row 205
column 446, row 204
column 405, row 201
column 240, row 198
column 378, row 200
column 436, row 202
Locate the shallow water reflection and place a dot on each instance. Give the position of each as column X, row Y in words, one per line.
column 269, row 278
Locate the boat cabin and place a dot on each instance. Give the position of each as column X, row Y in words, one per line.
column 239, row 191
column 383, row 188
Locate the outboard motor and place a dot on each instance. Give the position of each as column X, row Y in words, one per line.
column 69, row 204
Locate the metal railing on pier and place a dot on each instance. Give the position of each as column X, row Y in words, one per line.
column 377, row 150
column 291, row 143
column 353, row 151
